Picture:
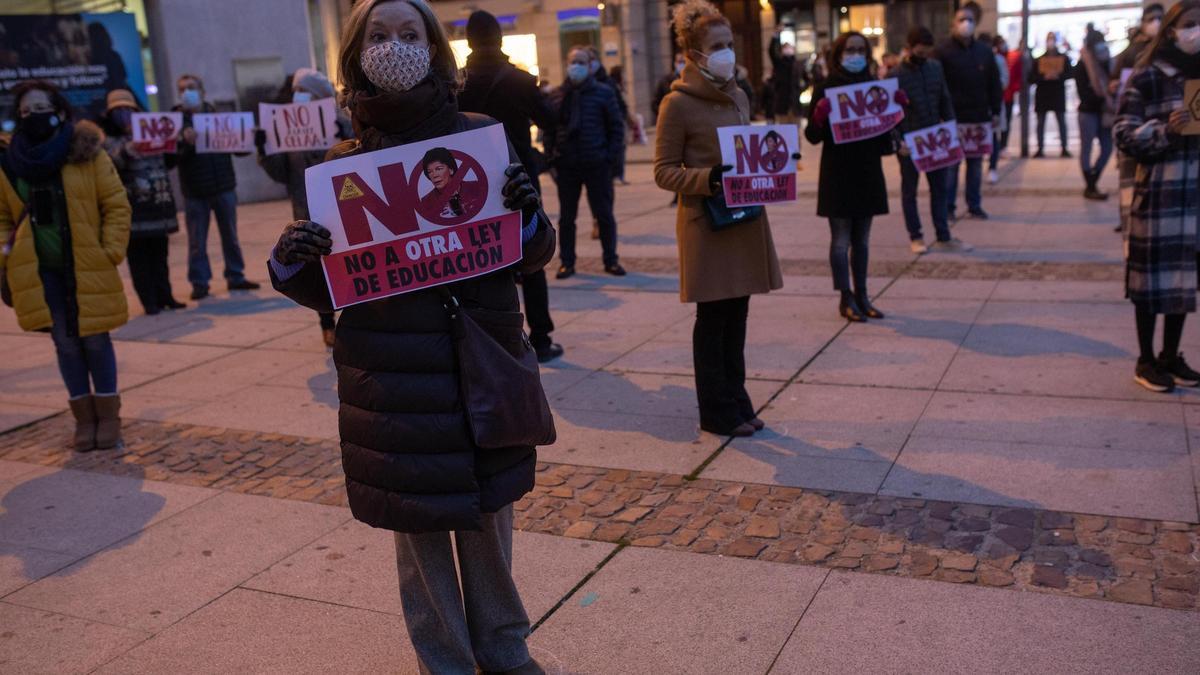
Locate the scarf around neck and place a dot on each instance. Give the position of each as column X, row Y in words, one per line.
column 386, row 119
column 38, row 162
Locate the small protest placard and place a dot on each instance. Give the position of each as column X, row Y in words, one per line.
column 224, row 132
column 934, row 147
column 1052, row 67
column 863, row 110
column 297, row 127
column 976, row 139
column 415, row 216
column 761, row 156
column 156, row 132
column 1191, row 101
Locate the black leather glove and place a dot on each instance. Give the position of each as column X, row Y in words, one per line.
column 714, row 177
column 796, row 156
column 302, row 241
column 519, row 193
column 260, row 139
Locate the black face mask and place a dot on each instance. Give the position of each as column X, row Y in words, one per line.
column 39, row 126
column 917, row 60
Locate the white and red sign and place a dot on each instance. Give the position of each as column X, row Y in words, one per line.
column 761, row 156
column 298, row 127
column 934, row 147
column 976, row 139
column 415, row 216
column 156, row 132
column 224, row 132
column 863, row 110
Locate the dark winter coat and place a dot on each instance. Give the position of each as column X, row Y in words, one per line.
column 928, row 96
column 973, row 79
column 1050, row 95
column 407, row 452
column 589, row 129
column 1090, row 100
column 1161, row 234
column 498, row 89
column 201, row 174
column 787, row 81
column 660, row 92
column 148, row 187
column 851, row 183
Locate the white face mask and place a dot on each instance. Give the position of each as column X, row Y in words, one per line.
column 965, row 28
column 1150, row 28
column 395, row 66
column 1188, row 40
column 721, row 65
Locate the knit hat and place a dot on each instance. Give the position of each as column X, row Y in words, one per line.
column 483, row 30
column 314, row 81
column 118, row 98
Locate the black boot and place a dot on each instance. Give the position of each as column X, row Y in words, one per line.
column 849, row 308
column 1091, row 177
column 864, row 304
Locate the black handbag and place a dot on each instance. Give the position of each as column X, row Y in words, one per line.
column 501, row 388
column 721, row 216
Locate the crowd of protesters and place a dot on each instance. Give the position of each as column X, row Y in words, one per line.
column 79, row 197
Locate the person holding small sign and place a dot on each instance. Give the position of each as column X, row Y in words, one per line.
column 1050, row 71
column 1156, row 129
column 411, row 458
column 851, row 188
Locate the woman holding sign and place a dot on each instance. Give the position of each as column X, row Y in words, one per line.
column 410, row 456
column 851, row 190
column 718, row 270
column 1153, row 129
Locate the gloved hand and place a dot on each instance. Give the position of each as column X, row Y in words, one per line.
column 902, row 98
column 519, row 193
column 260, row 140
column 796, row 156
column 714, row 177
column 821, row 113
column 302, row 241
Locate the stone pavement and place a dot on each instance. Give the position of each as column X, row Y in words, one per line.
column 973, row 483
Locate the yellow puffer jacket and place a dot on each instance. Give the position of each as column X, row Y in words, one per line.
column 98, row 212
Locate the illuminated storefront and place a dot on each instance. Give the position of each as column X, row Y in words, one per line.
column 1069, row 20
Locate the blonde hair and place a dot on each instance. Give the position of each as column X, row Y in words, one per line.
column 349, row 57
column 691, row 20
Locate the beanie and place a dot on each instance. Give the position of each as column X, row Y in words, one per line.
column 118, row 98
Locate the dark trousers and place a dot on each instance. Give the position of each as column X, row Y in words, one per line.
column 973, row 189
column 598, row 181
column 718, row 355
column 849, row 238
column 196, row 211
column 910, row 178
column 1061, row 117
column 1001, row 138
column 537, row 308
column 148, row 268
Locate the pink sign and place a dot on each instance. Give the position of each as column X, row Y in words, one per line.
column 863, row 110
column 976, row 139
column 935, row 147
column 761, row 156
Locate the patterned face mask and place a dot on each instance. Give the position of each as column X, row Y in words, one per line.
column 395, row 66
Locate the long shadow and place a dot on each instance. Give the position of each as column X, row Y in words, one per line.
column 1005, row 339
column 323, row 386
column 625, row 407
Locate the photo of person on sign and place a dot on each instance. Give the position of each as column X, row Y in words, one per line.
column 775, row 154
column 449, row 198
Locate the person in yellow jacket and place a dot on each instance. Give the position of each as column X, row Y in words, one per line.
column 64, row 223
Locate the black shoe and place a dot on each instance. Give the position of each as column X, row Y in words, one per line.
column 549, row 352
column 758, row 424
column 615, row 269
column 1119, row 229
column 173, row 304
column 1095, row 195
column 1066, row 153
column 199, row 292
column 977, row 214
column 565, row 272
column 151, row 311
column 849, row 309
column 1039, row 154
column 740, row 431
column 244, row 285
column 1150, row 376
column 1179, row 370
column 864, row 303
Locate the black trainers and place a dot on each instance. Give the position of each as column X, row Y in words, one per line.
column 549, row 352
column 1150, row 376
column 565, row 272
column 615, row 269
column 1179, row 370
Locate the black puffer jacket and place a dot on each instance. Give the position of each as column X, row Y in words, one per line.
column 201, row 174
column 973, row 79
column 589, row 128
column 928, row 96
column 409, row 460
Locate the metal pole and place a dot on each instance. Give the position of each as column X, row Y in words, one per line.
column 1024, row 92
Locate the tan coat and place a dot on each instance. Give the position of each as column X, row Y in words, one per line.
column 733, row 263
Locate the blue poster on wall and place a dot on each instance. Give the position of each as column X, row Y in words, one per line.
column 87, row 55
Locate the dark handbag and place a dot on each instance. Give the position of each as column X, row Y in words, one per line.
column 501, row 388
column 721, row 216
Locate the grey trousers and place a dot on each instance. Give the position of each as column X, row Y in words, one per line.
column 455, row 627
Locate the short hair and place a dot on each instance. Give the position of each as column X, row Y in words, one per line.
column 60, row 103
column 441, row 155
column 920, row 35
column 974, row 8
column 189, row 76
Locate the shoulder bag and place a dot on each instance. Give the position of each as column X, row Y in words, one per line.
column 721, row 216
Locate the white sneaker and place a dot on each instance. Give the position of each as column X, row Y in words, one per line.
column 917, row 246
column 993, row 177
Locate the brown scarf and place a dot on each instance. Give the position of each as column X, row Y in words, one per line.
column 386, row 119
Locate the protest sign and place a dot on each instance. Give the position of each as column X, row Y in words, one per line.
column 863, row 110
column 934, row 147
column 761, row 156
column 1191, row 102
column 415, row 216
column 1126, row 73
column 224, row 132
column 976, row 139
column 1052, row 67
column 156, row 133
column 296, row 127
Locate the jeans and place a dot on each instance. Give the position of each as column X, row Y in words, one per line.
column 83, row 361
column 196, row 210
column 973, row 189
column 149, row 271
column 1061, row 117
column 909, row 179
column 849, row 236
column 537, row 308
column 598, row 181
column 1090, row 130
column 453, row 626
column 719, row 359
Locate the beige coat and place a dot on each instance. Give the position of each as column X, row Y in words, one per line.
column 733, row 263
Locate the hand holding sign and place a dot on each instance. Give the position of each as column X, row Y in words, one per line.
column 298, row 127
column 864, row 110
column 757, row 164
column 934, row 147
column 303, row 241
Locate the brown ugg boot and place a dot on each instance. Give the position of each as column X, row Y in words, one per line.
column 108, row 421
column 84, row 411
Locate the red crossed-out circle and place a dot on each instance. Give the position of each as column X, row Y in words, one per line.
column 877, row 100
column 433, row 211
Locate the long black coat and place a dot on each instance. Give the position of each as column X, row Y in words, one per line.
column 410, row 462
column 1050, row 95
column 498, row 89
column 851, row 183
